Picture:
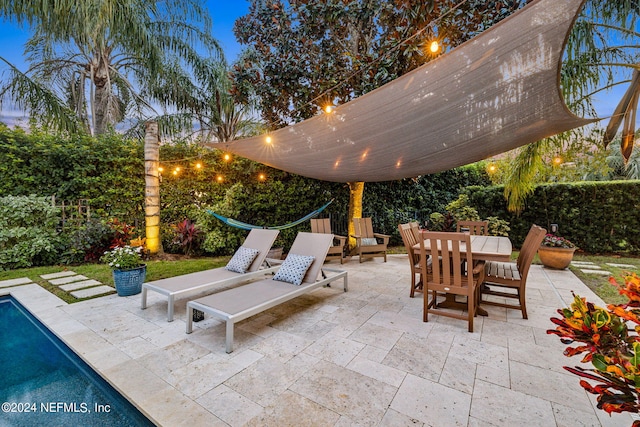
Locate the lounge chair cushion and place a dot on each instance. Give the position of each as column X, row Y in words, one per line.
column 294, row 268
column 368, row 241
column 242, row 259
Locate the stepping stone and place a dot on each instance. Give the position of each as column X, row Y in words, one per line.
column 14, row 282
column 69, row 279
column 590, row 267
column 90, row 292
column 599, row 272
column 57, row 275
column 79, row 285
column 577, row 263
column 622, row 265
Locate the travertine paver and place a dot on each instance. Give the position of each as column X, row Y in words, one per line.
column 15, row 282
column 631, row 266
column 90, row 292
column 598, row 272
column 68, row 279
column 334, row 358
column 74, row 286
column 58, row 275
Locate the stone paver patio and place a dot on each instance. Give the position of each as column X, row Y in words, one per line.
column 336, row 359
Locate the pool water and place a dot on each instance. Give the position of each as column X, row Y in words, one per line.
column 44, row 383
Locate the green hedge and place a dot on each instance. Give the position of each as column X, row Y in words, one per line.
column 599, row 217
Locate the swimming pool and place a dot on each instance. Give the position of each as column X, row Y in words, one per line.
column 43, row 382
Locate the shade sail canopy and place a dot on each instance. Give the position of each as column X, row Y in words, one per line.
column 491, row 94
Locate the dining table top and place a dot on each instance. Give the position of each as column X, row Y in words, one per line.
column 484, row 248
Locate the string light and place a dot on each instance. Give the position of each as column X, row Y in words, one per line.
column 227, row 157
column 557, row 160
column 434, row 47
column 262, row 177
column 160, row 169
column 219, row 178
column 198, row 165
column 492, row 168
column 329, row 109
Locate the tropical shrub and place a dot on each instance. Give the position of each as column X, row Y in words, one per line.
column 28, row 232
column 87, row 241
column 187, row 236
column 609, row 344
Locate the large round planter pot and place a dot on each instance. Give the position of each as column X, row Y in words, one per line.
column 558, row 258
column 129, row 282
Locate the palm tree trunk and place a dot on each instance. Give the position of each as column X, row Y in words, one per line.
column 152, row 188
column 356, row 193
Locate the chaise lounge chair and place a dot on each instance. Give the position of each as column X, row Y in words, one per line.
column 259, row 240
column 236, row 304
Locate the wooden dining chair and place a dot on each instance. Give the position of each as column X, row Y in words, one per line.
column 336, row 251
column 512, row 276
column 369, row 243
column 409, row 240
column 480, row 228
column 447, row 277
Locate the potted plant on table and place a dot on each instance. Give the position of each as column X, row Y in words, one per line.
column 129, row 270
column 556, row 252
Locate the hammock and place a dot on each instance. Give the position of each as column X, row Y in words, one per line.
column 245, row 226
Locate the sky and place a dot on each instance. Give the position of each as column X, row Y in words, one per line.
column 224, row 13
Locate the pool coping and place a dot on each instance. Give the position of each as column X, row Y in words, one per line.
column 163, row 406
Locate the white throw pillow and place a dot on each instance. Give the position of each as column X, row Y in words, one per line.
column 242, row 259
column 294, row 268
column 368, row 241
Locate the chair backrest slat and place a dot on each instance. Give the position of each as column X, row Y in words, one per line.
column 480, row 228
column 363, row 227
column 321, row 225
column 408, row 238
column 448, row 246
column 529, row 248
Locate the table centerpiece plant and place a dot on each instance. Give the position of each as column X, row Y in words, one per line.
column 609, row 340
column 556, row 251
column 128, row 267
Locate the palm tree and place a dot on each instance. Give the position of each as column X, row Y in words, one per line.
column 92, row 62
column 599, row 56
column 220, row 116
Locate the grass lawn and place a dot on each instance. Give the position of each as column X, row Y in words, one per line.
column 102, row 273
column 161, row 269
column 599, row 283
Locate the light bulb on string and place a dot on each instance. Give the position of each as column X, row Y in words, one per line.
column 268, row 139
column 329, row 109
column 262, row 177
column 219, row 178
column 198, row 165
column 226, row 157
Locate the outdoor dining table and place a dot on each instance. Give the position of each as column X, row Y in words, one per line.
column 483, row 248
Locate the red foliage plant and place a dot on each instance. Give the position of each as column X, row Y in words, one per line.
column 610, row 342
column 123, row 233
